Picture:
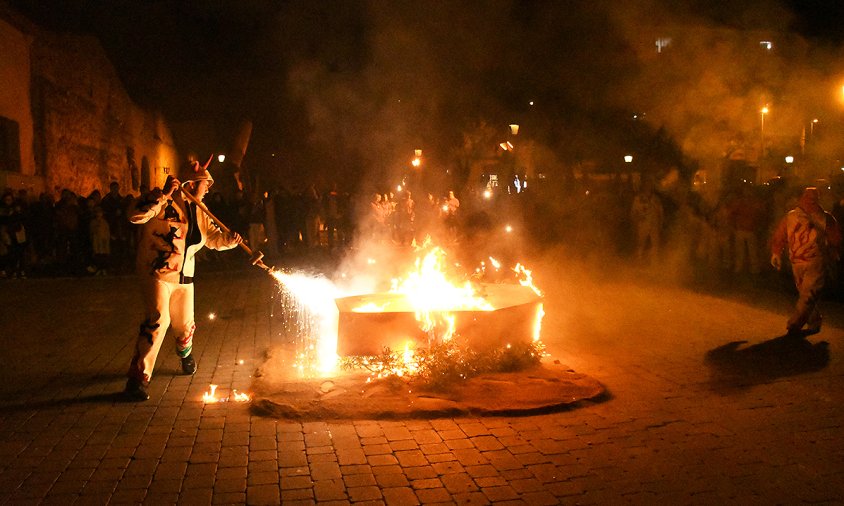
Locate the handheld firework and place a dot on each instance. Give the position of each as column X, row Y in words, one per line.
column 255, row 257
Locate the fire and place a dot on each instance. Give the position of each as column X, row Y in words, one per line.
column 433, row 296
column 208, row 397
column 431, row 290
column 526, row 278
column 211, row 397
column 240, row 396
column 537, row 323
column 370, row 308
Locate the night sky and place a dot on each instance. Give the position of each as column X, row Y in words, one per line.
column 354, row 86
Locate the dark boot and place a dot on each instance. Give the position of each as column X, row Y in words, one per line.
column 136, row 390
column 188, row 365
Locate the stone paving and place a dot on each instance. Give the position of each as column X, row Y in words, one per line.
column 748, row 425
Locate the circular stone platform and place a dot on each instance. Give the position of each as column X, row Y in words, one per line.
column 545, row 388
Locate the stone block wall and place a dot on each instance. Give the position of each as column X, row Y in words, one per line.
column 88, row 130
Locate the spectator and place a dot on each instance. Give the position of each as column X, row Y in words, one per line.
column 100, row 234
column 647, row 215
column 67, row 233
column 747, row 214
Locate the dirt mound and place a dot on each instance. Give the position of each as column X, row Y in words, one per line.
column 545, row 388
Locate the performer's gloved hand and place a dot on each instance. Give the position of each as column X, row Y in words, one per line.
column 172, row 184
column 776, row 262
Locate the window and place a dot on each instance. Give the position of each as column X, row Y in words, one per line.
column 10, row 145
column 662, row 43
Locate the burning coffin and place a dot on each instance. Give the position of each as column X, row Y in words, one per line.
column 368, row 323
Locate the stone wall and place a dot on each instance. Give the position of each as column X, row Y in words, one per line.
column 88, row 131
column 14, row 102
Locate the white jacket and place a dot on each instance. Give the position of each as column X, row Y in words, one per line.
column 173, row 233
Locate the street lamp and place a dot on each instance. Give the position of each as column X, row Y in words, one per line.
column 764, row 111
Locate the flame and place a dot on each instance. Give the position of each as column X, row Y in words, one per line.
column 370, row 307
column 208, row 397
column 240, row 396
column 433, row 296
column 211, row 397
column 527, row 278
column 537, row 322
column 408, row 365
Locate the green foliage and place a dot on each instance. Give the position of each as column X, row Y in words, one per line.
column 445, row 364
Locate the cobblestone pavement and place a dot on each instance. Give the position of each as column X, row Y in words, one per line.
column 690, row 419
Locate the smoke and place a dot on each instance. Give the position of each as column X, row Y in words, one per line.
column 385, row 78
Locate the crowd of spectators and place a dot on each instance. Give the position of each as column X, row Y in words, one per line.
column 681, row 228
column 77, row 235
column 684, row 231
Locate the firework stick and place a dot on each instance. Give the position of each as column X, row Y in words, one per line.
column 255, row 256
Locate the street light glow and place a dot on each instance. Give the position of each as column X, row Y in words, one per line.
column 221, row 158
column 628, row 158
column 789, row 159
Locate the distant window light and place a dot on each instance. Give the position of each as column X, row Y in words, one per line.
column 767, row 45
column 662, row 43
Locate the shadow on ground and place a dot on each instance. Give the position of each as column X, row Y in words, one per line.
column 31, row 398
column 105, row 398
column 735, row 366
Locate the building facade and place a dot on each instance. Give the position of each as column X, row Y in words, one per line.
column 66, row 120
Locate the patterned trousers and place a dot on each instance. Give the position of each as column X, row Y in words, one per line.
column 809, row 280
column 166, row 304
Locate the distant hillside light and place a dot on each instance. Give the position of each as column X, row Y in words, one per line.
column 221, row 158
column 628, row 158
column 789, row 159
